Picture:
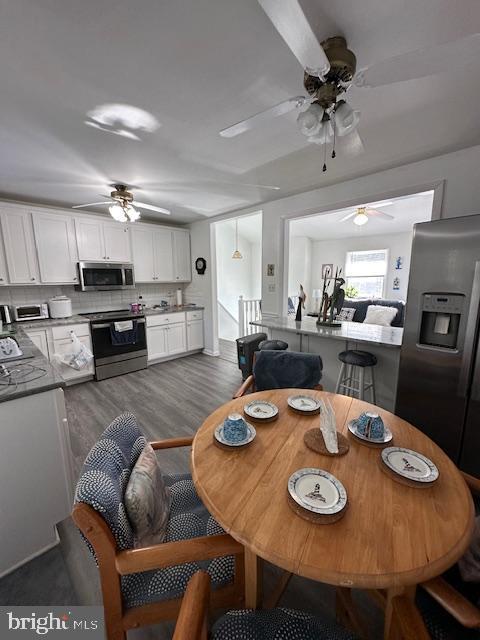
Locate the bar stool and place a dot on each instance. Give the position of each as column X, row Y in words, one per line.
column 351, row 359
column 273, row 345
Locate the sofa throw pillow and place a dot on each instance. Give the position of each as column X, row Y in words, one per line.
column 345, row 314
column 377, row 314
column 147, row 500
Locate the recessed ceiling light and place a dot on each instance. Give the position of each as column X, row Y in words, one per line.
column 123, row 120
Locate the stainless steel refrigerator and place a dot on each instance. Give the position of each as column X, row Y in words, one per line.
column 439, row 379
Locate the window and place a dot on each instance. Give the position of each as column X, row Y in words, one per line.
column 365, row 271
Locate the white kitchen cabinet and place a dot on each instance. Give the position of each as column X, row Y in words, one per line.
column 157, row 342
column 65, row 346
column 181, row 255
column 176, row 338
column 99, row 241
column 19, row 243
column 195, row 334
column 56, row 248
column 39, row 339
column 3, row 263
column 152, row 254
column 166, row 335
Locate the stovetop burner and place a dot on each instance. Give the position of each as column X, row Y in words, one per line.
column 120, row 314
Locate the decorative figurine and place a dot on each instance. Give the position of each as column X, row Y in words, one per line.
column 399, row 263
column 331, row 305
column 302, row 296
column 396, row 284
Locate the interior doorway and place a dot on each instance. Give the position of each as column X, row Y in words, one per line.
column 238, row 243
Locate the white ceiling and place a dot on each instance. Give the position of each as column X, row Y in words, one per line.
column 327, row 226
column 199, row 66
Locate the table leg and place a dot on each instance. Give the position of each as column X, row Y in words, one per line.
column 253, row 580
column 346, row 612
column 402, row 618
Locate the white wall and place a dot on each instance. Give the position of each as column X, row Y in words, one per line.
column 335, row 252
column 456, row 174
column 300, row 268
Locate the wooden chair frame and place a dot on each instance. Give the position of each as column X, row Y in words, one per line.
column 114, row 563
column 248, row 385
column 192, row 622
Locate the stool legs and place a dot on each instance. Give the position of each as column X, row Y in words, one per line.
column 349, row 385
column 361, row 383
column 374, row 399
column 340, row 377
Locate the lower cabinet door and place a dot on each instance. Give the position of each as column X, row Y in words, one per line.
column 39, row 339
column 176, row 338
column 195, row 334
column 157, row 342
column 65, row 346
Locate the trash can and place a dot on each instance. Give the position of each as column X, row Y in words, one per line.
column 246, row 347
column 273, row 345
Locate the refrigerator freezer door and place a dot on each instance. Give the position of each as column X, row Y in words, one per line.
column 434, row 380
column 470, row 454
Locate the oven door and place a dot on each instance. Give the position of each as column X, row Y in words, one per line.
column 106, row 352
column 102, row 276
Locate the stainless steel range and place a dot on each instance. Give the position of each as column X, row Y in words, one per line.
column 119, row 342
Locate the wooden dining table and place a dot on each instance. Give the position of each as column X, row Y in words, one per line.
column 392, row 536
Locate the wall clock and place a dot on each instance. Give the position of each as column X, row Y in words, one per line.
column 200, row 265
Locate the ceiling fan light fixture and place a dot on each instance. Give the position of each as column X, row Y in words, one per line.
column 310, row 121
column 132, row 213
column 346, row 118
column 360, row 219
column 117, row 212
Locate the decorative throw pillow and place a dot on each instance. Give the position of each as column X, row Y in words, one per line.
column 376, row 314
column 346, row 314
column 147, row 500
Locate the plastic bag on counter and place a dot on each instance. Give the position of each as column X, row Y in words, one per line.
column 78, row 356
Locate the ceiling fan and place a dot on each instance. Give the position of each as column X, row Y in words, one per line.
column 330, row 68
column 364, row 212
column 122, row 205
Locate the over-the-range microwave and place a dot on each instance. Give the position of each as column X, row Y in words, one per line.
column 105, row 276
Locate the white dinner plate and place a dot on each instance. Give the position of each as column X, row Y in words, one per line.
column 305, row 404
column 387, row 434
column 318, row 491
column 261, row 410
column 251, row 433
column 410, row 464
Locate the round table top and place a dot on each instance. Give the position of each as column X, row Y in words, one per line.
column 391, row 534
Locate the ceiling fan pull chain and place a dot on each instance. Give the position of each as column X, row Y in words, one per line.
column 334, row 131
column 325, row 151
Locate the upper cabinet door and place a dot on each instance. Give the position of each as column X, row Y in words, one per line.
column 3, row 263
column 163, row 252
column 90, row 242
column 143, row 261
column 55, row 240
column 19, row 246
column 181, row 253
column 117, row 242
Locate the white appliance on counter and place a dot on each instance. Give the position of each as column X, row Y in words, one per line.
column 26, row 312
column 60, row 307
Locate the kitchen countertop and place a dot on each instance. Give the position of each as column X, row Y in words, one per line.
column 155, row 312
column 349, row 331
column 50, row 378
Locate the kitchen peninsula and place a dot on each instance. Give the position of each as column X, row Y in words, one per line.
column 328, row 342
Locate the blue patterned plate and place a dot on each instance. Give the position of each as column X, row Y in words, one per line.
column 251, row 433
column 317, row 491
column 410, row 464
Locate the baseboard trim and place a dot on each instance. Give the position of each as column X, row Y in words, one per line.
column 209, row 352
column 34, row 555
column 175, row 356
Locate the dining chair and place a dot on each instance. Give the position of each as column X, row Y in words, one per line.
column 143, row 586
column 248, row 624
column 450, row 606
column 283, row 370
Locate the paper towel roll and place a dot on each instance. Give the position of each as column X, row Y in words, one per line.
column 179, row 298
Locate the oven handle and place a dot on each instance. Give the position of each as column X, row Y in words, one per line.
column 106, row 325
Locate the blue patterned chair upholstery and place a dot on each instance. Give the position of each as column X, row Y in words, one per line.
column 276, row 624
column 102, row 486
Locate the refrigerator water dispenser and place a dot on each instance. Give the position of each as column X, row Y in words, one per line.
column 441, row 314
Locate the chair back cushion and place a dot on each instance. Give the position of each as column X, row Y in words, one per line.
column 285, row 369
column 106, row 472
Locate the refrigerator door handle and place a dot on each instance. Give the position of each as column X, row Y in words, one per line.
column 470, row 336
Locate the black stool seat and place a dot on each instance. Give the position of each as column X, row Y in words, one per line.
column 273, row 345
column 357, row 358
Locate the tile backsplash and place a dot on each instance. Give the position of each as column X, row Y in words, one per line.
column 90, row 301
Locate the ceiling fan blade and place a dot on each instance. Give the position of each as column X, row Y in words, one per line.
column 150, row 207
column 375, row 213
column 289, row 20
column 254, row 121
column 450, row 56
column 380, row 203
column 90, row 204
column 349, row 215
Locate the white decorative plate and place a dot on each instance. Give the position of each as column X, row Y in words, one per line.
column 306, row 404
column 318, row 491
column 261, row 410
column 387, row 435
column 410, row 464
column 251, row 433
